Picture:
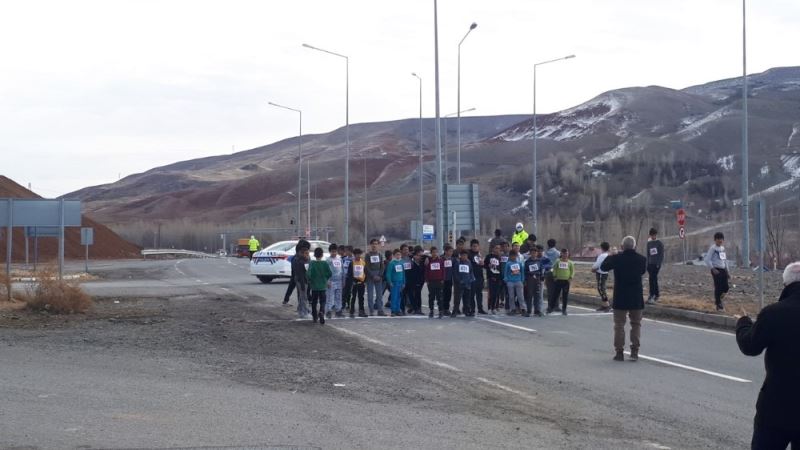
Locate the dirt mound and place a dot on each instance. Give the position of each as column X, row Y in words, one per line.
column 107, row 244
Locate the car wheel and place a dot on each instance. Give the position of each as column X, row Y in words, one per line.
column 265, row 279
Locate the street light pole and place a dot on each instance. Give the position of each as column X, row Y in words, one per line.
column 421, row 210
column 458, row 107
column 347, row 137
column 439, row 193
column 534, row 206
column 299, row 164
column 444, row 144
column 745, row 150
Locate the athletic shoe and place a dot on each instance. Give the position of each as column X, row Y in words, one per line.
column 362, row 314
column 634, row 355
column 480, row 311
column 322, row 319
column 329, row 314
column 556, row 309
column 619, row 356
column 352, row 315
column 441, row 315
column 527, row 314
column 393, row 314
column 650, row 301
column 564, row 312
column 381, row 313
column 430, row 314
column 538, row 314
column 603, row 309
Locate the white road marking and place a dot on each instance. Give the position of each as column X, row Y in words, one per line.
column 680, row 325
column 693, row 369
column 506, row 388
column 530, row 330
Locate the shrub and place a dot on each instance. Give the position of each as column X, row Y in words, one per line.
column 5, row 287
column 57, row 296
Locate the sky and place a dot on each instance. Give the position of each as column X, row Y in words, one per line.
column 91, row 91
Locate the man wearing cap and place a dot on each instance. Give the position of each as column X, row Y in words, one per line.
column 519, row 235
column 777, row 421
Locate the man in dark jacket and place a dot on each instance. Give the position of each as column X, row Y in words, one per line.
column 628, row 268
column 777, row 421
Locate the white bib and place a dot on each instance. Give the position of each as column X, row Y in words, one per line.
column 306, row 266
column 504, row 258
column 337, row 264
column 653, row 251
column 533, row 268
column 374, row 259
column 563, row 265
column 398, row 268
column 436, row 266
column 515, row 268
column 358, row 271
column 477, row 259
column 494, row 262
column 407, row 266
column 463, row 268
column 448, row 263
column 722, row 256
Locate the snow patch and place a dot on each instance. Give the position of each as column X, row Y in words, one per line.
column 694, row 127
column 795, row 131
column 726, row 162
column 764, row 170
column 791, row 164
column 617, row 152
column 521, row 207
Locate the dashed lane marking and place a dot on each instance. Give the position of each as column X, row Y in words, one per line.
column 693, row 369
column 679, row 325
column 530, row 330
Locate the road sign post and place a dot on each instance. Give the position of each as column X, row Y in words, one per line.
column 427, row 232
column 681, row 216
column 87, row 239
column 760, row 231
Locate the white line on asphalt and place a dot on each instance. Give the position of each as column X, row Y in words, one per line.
column 680, row 325
column 506, row 388
column 530, row 330
column 395, row 348
column 693, row 369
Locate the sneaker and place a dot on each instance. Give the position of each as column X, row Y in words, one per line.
column 527, row 314
column 538, row 314
column 556, row 309
column 480, row 311
column 656, row 299
column 363, row 314
column 603, row 309
column 430, row 315
column 650, row 301
column 329, row 314
column 322, row 318
column 352, row 315
column 392, row 314
column 381, row 313
column 315, row 319
column 454, row 314
column 720, row 308
column 634, row 355
column 441, row 315
column 285, row 302
column 339, row 314
column 619, row 356
column 564, row 312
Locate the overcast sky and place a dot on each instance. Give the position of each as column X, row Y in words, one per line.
column 90, row 90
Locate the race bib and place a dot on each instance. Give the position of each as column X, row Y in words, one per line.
column 477, row 259
column 504, row 259
column 463, row 268
column 494, row 262
column 533, row 268
column 448, row 263
column 515, row 269
column 563, row 265
column 407, row 266
column 653, row 251
column 436, row 266
column 337, row 264
column 306, row 266
column 722, row 256
column 398, row 268
column 358, row 271
column 374, row 259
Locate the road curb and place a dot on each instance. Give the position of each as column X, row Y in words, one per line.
column 665, row 312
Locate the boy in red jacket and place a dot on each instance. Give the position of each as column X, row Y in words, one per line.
column 434, row 276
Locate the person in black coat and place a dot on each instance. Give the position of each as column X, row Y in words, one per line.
column 628, row 267
column 777, row 421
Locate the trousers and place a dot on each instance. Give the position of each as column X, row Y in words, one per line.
column 768, row 438
column 652, row 275
column 602, row 279
column 375, row 295
column 495, row 293
column 357, row 291
column 435, row 290
column 447, row 294
column 318, row 297
column 395, row 294
column 334, row 300
column 302, row 300
column 516, row 295
column 720, row 285
column 560, row 289
column 620, row 317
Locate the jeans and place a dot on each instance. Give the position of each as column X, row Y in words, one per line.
column 302, row 300
column 533, row 295
column 767, row 438
column 477, row 295
column 318, row 297
column 374, row 295
column 620, row 317
column 435, row 295
column 447, row 294
column 602, row 278
column 334, row 300
column 495, row 293
column 652, row 274
column 515, row 294
column 467, row 300
column 357, row 291
column 395, row 294
column 560, row 289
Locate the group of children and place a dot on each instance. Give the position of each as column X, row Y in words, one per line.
column 515, row 275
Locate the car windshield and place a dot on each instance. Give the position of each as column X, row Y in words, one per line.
column 281, row 246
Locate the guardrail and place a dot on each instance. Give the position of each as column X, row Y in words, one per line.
column 176, row 252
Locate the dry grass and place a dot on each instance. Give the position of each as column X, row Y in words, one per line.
column 57, row 296
column 5, row 287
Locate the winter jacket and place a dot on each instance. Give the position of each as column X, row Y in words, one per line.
column 319, row 272
column 628, row 268
column 375, row 267
column 552, row 254
column 335, row 263
column 448, row 264
column 416, row 275
column 477, row 265
column 563, row 270
column 716, row 258
column 464, row 274
column 395, row 272
column 492, row 265
column 299, row 270
column 434, row 270
column 535, row 268
column 347, row 275
column 513, row 271
column 776, row 331
column 519, row 237
column 655, row 253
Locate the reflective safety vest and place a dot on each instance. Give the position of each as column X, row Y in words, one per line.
column 519, row 237
column 254, row 244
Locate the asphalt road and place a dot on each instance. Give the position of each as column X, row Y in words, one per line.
column 487, row 382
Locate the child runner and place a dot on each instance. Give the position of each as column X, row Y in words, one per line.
column 319, row 275
column 358, row 277
column 535, row 267
column 602, row 277
column 552, row 254
column 415, row 280
column 460, row 246
column 655, row 256
column 374, row 268
column 447, row 288
column 494, row 276
column 465, row 279
column 563, row 272
column 477, row 273
column 333, row 303
column 434, row 276
column 505, row 250
column 299, row 264
column 396, row 279
column 513, row 276
column 347, row 281
column 717, row 260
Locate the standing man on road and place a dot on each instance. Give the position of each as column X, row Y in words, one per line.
column 253, row 245
column 628, row 268
column 777, row 421
column 655, row 256
column 717, row 260
column 375, row 269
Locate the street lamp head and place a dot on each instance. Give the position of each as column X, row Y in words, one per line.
column 307, row 46
column 473, row 26
column 414, row 74
column 569, row 57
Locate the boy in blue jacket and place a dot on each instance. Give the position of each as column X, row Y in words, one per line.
column 396, row 280
column 512, row 273
column 536, row 266
column 465, row 277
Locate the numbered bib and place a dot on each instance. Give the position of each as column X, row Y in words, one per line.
column 306, row 266
column 398, row 268
column 504, row 259
column 358, row 271
column 477, row 259
column 494, row 262
column 563, row 265
column 515, row 269
column 337, row 264
column 374, row 259
column 436, row 266
column 653, row 251
column 533, row 268
column 722, row 256
column 448, row 263
column 463, row 268
column 407, row 266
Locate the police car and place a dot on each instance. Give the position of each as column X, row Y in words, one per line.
column 274, row 261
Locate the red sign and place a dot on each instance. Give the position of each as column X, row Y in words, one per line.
column 681, row 217
column 682, row 232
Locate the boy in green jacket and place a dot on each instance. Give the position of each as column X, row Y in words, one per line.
column 318, row 274
column 563, row 271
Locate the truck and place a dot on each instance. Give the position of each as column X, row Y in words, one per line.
column 243, row 248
